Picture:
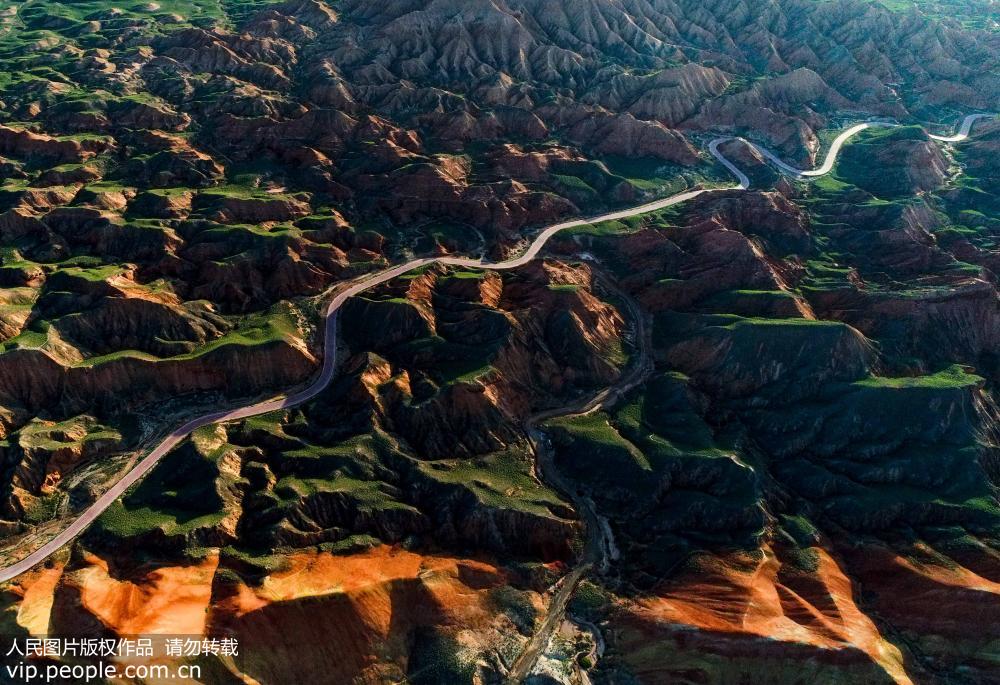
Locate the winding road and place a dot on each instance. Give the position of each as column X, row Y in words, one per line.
column 598, row 547
column 831, row 155
column 963, row 131
column 145, row 465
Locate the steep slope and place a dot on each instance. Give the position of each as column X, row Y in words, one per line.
column 801, row 484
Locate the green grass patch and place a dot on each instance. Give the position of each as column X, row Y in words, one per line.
column 953, row 377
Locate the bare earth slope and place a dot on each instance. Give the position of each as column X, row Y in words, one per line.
column 717, row 434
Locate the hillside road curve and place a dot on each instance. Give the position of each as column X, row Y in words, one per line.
column 146, row 464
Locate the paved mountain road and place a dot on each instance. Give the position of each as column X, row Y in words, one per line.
column 365, row 283
column 963, row 131
column 598, row 546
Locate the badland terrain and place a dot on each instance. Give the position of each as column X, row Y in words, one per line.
column 749, row 437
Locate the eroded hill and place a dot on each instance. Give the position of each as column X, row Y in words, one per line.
column 802, row 486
